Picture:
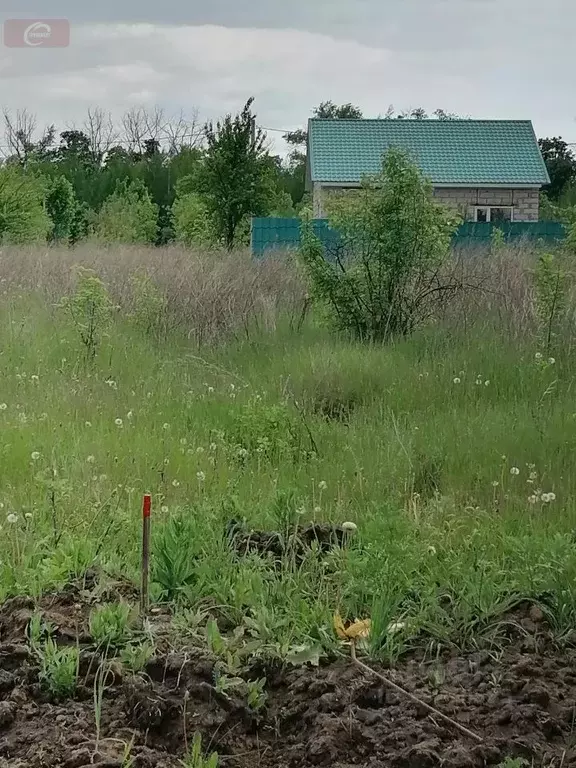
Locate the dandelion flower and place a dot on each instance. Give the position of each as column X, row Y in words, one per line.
column 119, row 422
column 322, row 485
column 514, row 471
column 201, row 476
column 35, row 455
column 349, row 527
column 12, row 518
column 457, row 380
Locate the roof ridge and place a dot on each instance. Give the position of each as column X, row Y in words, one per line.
column 422, row 121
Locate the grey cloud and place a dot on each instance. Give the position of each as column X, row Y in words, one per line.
column 483, row 58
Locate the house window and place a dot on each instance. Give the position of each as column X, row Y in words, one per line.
column 494, row 213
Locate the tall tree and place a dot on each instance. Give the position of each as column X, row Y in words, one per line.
column 561, row 164
column 235, row 179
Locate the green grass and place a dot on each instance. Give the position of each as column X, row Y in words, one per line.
column 425, row 466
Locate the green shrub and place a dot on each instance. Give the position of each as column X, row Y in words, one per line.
column 128, row 215
column 384, row 277
column 193, row 224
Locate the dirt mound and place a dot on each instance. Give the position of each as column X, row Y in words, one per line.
column 321, row 536
column 520, row 699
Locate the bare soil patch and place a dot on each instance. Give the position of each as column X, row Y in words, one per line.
column 520, row 698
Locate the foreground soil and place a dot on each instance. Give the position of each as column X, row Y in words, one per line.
column 519, row 697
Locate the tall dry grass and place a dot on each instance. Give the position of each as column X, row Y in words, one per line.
column 213, row 295
column 208, row 295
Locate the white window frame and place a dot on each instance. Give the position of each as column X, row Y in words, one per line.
column 488, row 209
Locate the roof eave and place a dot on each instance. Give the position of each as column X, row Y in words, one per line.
column 446, row 184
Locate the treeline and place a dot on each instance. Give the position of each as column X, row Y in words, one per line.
column 156, row 180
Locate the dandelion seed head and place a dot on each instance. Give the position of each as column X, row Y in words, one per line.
column 349, row 527
column 431, row 549
column 199, row 450
column 175, row 483
column 457, row 380
column 35, row 455
column 201, row 476
column 3, row 406
column 322, row 485
column 28, row 515
column 88, row 424
column 514, row 471
column 12, row 518
column 164, row 509
column 396, row 626
column 90, row 459
column 538, row 356
column 119, row 422
column 551, row 361
column 317, row 510
column 166, row 426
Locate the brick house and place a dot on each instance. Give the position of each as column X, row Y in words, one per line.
column 490, row 170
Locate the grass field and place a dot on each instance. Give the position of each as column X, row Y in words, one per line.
column 451, row 452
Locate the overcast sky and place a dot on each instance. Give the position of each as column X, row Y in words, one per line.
column 479, row 58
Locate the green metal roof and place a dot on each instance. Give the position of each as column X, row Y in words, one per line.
column 467, row 152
